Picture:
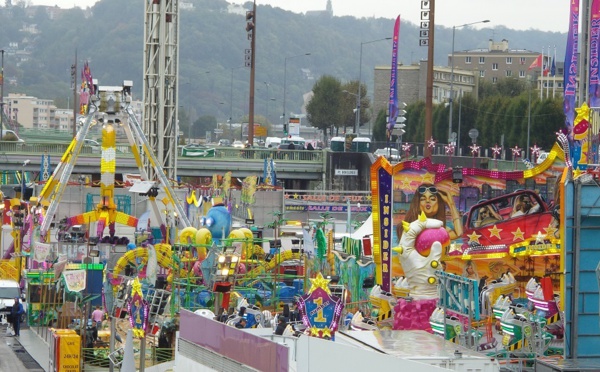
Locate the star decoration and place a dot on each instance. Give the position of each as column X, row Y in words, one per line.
column 518, row 234
column 319, row 282
column 516, row 151
column 576, row 173
column 406, row 147
column 550, row 230
column 449, row 149
column 474, row 148
column 314, row 331
column 136, row 287
column 583, row 113
column 474, row 237
column 495, row 231
column 428, row 178
column 496, row 150
column 405, row 184
column 296, row 196
column 326, row 332
column 539, row 238
column 431, row 143
column 535, row 151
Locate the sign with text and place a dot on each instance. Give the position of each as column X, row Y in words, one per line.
column 68, row 357
column 326, row 208
column 346, row 172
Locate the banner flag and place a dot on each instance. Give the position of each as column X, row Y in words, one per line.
column 75, row 280
column 536, row 63
column 393, row 102
column 594, row 83
column 570, row 75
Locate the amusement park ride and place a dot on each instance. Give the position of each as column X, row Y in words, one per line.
column 489, row 277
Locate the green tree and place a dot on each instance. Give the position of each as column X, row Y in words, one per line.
column 348, row 101
column 379, row 128
column 205, row 123
column 323, row 108
column 349, row 104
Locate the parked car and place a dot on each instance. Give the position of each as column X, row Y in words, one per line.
column 10, row 135
column 238, row 144
column 388, row 152
column 93, row 145
column 542, row 157
column 224, row 142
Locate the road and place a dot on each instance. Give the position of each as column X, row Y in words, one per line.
column 13, row 356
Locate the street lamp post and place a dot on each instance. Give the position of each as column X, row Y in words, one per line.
column 357, row 96
column 451, row 99
column 267, row 115
column 2, row 94
column 357, row 121
column 285, row 81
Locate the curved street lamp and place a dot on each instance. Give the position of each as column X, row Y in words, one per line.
column 357, row 121
column 451, row 100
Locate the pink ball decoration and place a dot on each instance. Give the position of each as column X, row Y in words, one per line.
column 428, row 237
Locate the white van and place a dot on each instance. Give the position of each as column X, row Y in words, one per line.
column 11, row 133
column 9, row 290
column 272, row 142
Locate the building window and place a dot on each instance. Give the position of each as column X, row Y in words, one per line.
column 509, row 60
column 494, row 79
column 522, row 73
column 522, row 60
column 481, row 73
column 508, row 73
column 495, row 66
column 481, row 60
column 468, row 60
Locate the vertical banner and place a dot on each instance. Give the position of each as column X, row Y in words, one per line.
column 384, row 214
column 393, row 102
column 570, row 78
column 594, row 83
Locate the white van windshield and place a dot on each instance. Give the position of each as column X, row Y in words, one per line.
column 9, row 292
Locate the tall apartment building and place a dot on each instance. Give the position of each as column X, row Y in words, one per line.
column 31, row 112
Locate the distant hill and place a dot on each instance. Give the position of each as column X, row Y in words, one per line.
column 213, row 41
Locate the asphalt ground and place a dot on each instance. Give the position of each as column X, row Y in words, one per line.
column 13, row 356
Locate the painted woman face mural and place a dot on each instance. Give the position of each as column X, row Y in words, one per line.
column 432, row 201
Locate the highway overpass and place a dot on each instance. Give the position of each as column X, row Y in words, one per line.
column 290, row 164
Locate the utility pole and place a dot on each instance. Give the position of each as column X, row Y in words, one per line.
column 251, row 29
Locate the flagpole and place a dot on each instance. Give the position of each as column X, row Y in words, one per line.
column 548, row 75
column 542, row 75
column 554, row 74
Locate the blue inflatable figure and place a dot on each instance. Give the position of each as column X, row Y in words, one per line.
column 218, row 222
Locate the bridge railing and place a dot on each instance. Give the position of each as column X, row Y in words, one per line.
column 220, row 152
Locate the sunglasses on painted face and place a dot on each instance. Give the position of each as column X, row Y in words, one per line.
column 424, row 189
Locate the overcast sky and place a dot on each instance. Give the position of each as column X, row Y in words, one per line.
column 545, row 15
